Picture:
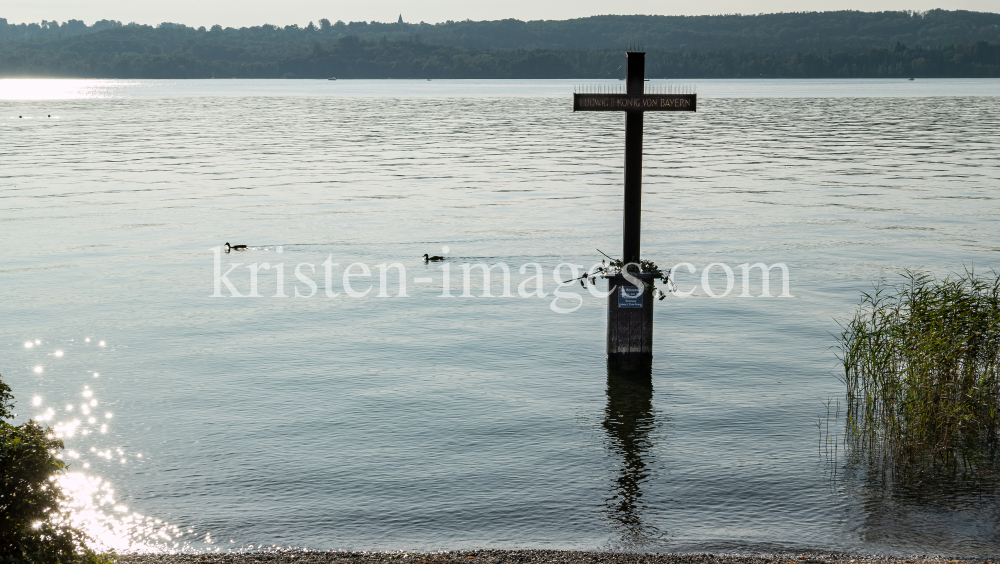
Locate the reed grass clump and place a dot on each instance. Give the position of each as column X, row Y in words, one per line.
column 921, row 368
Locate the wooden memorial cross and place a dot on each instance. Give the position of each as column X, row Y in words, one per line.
column 630, row 311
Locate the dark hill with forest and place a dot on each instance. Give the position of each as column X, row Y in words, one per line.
column 809, row 44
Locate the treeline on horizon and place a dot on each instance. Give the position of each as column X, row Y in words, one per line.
column 944, row 44
column 351, row 57
column 782, row 33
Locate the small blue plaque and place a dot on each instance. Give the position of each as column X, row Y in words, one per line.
column 629, row 297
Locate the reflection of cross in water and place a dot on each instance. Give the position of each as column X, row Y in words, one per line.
column 628, row 419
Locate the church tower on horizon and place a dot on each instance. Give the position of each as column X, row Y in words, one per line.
column 400, row 19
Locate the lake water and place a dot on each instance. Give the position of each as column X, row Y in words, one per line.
column 424, row 422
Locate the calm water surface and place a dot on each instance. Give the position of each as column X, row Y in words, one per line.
column 432, row 423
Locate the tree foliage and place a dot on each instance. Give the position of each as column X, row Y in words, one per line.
column 843, row 45
column 782, row 33
column 100, row 56
column 33, row 527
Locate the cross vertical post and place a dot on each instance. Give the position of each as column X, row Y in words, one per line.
column 630, row 308
column 635, row 71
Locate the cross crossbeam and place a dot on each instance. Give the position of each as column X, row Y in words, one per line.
column 634, row 102
column 630, row 103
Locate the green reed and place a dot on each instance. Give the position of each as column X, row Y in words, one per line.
column 921, row 368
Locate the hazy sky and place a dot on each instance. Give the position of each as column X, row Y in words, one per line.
column 238, row 13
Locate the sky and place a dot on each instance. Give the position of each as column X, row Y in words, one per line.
column 240, row 13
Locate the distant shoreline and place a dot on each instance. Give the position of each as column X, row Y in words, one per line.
column 529, row 557
column 843, row 44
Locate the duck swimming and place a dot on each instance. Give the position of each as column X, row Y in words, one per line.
column 434, row 258
column 235, row 247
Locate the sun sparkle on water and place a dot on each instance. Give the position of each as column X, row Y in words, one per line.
column 57, row 89
column 90, row 504
column 92, row 508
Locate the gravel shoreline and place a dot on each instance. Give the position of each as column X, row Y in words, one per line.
column 526, row 557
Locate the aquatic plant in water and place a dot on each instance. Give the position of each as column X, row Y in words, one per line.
column 923, row 381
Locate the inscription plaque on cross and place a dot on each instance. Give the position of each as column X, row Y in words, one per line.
column 630, row 311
